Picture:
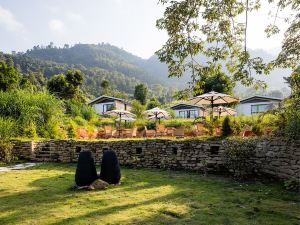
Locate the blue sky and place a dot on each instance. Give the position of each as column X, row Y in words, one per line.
column 129, row 24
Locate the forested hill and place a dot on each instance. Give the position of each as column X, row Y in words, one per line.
column 109, row 58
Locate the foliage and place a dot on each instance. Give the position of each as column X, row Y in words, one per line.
column 30, row 131
column 66, row 86
column 40, row 108
column 7, row 130
column 9, row 77
column 257, row 129
column 140, row 93
column 201, row 46
column 105, row 86
column 226, row 127
column 238, row 155
column 137, row 108
column 217, row 81
column 153, row 103
column 6, row 154
column 75, row 108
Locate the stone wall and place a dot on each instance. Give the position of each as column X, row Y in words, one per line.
column 272, row 157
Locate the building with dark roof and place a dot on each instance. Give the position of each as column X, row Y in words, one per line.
column 184, row 110
column 105, row 103
column 257, row 104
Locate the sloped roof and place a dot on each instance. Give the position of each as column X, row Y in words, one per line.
column 260, row 98
column 187, row 105
column 105, row 97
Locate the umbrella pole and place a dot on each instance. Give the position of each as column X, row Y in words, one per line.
column 120, row 125
column 212, row 109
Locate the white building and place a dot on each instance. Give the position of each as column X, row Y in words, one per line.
column 184, row 110
column 257, row 104
column 105, row 103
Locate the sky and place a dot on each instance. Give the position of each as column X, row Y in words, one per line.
column 129, row 24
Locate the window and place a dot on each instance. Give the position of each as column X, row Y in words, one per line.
column 182, row 114
column 107, row 107
column 259, row 108
column 188, row 114
column 193, row 114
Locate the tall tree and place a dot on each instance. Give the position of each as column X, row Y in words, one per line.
column 212, row 29
column 104, row 85
column 66, row 86
column 140, row 93
column 9, row 77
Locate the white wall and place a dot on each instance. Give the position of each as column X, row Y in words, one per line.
column 99, row 107
column 245, row 108
column 200, row 112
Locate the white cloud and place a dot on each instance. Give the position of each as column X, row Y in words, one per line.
column 8, row 21
column 56, row 25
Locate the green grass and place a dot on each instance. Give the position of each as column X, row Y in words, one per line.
column 44, row 195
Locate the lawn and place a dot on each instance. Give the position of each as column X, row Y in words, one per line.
column 45, row 195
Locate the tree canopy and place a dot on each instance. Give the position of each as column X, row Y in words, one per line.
column 140, row 93
column 211, row 29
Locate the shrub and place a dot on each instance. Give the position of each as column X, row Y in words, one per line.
column 39, row 108
column 226, row 127
column 238, row 155
column 80, row 121
column 7, row 128
column 30, row 131
column 71, row 130
column 257, row 129
column 6, row 151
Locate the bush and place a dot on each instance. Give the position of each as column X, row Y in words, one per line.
column 80, row 121
column 71, row 130
column 226, row 127
column 257, row 129
column 7, row 130
column 25, row 107
column 238, row 155
column 6, row 151
column 30, row 131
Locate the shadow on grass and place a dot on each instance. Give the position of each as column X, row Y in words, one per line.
column 212, row 200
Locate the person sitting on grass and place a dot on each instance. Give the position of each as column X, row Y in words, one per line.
column 110, row 168
column 86, row 172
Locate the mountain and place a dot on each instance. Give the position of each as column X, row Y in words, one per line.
column 123, row 69
column 109, row 58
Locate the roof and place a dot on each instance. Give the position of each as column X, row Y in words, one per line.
column 186, row 106
column 260, row 98
column 103, row 98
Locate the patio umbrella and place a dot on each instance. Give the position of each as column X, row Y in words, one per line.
column 157, row 113
column 121, row 114
column 224, row 111
column 213, row 98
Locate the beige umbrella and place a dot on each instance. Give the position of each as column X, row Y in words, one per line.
column 157, row 113
column 122, row 114
column 224, row 111
column 213, row 98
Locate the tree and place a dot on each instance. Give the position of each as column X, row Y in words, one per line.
column 57, row 85
column 220, row 38
column 9, row 77
column 104, row 85
column 66, row 86
column 140, row 93
column 137, row 108
column 153, row 103
column 217, row 81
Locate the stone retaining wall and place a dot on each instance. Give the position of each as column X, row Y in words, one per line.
column 272, row 157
